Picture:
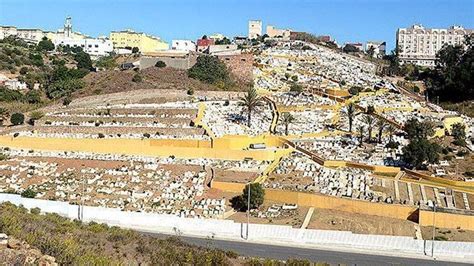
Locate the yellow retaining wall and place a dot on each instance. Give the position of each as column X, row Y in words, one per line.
column 137, row 147
column 228, row 186
column 237, row 142
column 189, row 143
column 441, row 181
column 374, row 168
column 347, row 205
column 446, row 220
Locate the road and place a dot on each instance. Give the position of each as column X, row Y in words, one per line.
column 314, row 255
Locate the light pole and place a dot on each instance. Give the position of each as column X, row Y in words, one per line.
column 248, row 212
column 434, row 231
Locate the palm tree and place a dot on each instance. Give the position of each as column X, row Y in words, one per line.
column 250, row 101
column 350, row 114
column 287, row 119
column 391, row 130
column 361, row 130
column 381, row 126
column 369, row 120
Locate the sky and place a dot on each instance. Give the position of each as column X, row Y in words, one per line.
column 344, row 20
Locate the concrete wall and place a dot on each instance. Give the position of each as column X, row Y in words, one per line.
column 178, row 62
column 258, row 233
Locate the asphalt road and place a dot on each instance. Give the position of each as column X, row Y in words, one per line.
column 314, row 255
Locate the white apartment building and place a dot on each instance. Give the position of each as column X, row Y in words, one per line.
column 28, row 35
column 379, row 48
column 255, row 29
column 419, row 45
column 183, row 45
column 95, row 47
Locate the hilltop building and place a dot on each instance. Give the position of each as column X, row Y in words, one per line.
column 255, row 29
column 145, row 43
column 273, row 32
column 378, row 46
column 419, row 45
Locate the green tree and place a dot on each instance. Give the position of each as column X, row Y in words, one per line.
column 453, row 76
column 458, row 131
column 209, row 69
column 419, row 151
column 361, row 130
column 17, row 119
column 45, row 45
column 257, row 195
column 418, row 130
column 369, row 121
column 64, row 87
column 354, row 90
column 380, row 124
column 286, row 119
column 250, row 102
column 351, row 111
column 135, row 50
column 83, row 60
column 391, row 130
column 225, row 40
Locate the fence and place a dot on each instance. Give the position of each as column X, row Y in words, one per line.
column 227, row 229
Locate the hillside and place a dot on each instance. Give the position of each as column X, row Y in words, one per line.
column 111, row 81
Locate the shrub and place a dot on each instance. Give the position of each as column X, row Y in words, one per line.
column 67, row 100
column 137, row 78
column 146, row 135
column 28, row 193
column 160, row 64
column 33, row 97
column 101, row 136
column 209, row 69
column 190, row 91
column 35, row 211
column 36, row 115
column 17, row 119
column 294, row 87
column 24, row 70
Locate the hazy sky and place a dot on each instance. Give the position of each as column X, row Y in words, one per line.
column 345, row 20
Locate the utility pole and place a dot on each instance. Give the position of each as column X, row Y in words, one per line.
column 434, row 231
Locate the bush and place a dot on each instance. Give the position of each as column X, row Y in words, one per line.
column 257, row 194
column 36, row 115
column 209, row 69
column 354, row 90
column 45, row 45
column 190, row 91
column 17, row 119
column 7, row 95
column 101, row 136
column 35, row 211
column 28, row 193
column 24, row 70
column 160, row 64
column 137, row 78
column 67, row 100
column 33, row 97
column 294, row 87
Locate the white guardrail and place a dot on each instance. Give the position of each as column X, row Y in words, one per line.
column 227, row 229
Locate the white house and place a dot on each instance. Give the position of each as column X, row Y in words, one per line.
column 183, row 45
column 95, row 47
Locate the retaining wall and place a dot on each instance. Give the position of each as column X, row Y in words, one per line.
column 227, row 229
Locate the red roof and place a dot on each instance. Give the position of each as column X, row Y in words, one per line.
column 205, row 42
